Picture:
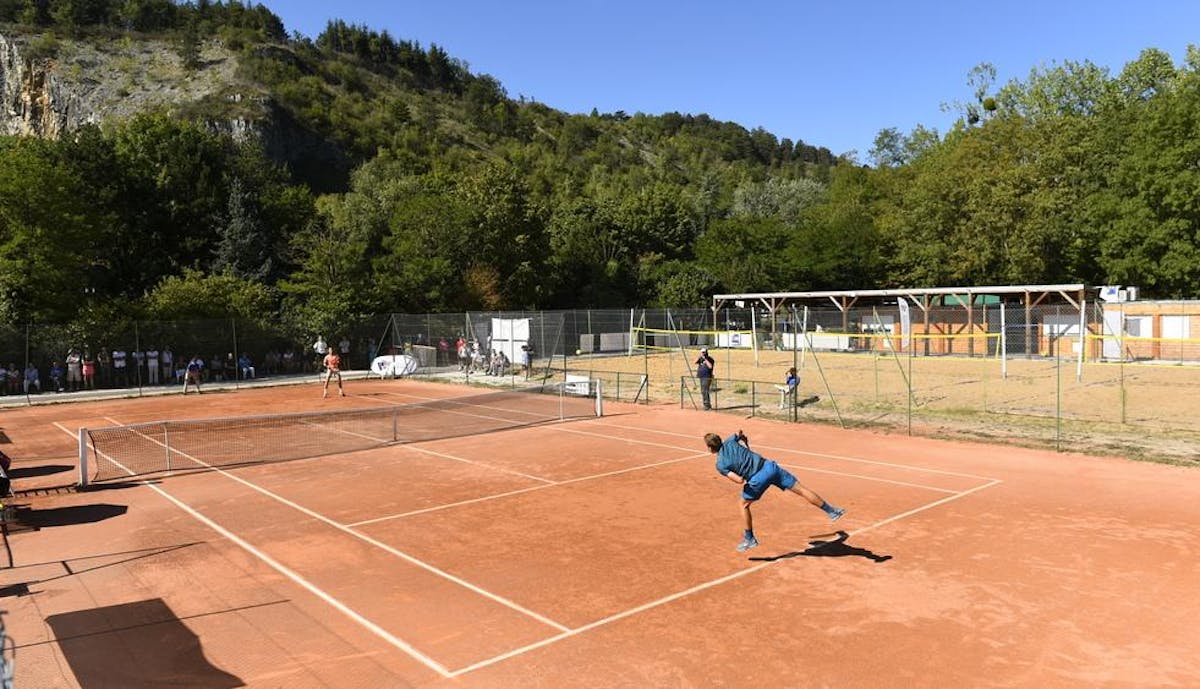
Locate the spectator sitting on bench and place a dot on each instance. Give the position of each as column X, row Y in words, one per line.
column 32, row 378
column 787, row 391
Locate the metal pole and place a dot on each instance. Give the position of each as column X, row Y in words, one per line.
column 804, row 330
column 26, row 383
column 793, row 411
column 237, row 369
column 137, row 347
column 1056, row 343
column 1003, row 344
column 754, row 335
column 910, row 396
column 1082, row 338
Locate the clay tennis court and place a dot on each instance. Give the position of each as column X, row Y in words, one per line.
column 594, row 553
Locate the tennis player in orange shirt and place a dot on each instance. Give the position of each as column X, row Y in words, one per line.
column 333, row 367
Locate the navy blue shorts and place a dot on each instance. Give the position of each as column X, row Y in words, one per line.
column 771, row 474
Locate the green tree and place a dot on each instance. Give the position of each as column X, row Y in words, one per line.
column 244, row 249
column 1148, row 213
column 197, row 296
column 327, row 289
column 178, row 194
column 425, row 255
column 507, row 230
column 589, row 261
column 785, row 199
column 746, row 254
column 681, row 284
column 45, row 233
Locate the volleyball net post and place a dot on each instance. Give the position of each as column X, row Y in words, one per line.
column 808, row 344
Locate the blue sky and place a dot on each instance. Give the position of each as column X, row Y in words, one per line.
column 829, row 73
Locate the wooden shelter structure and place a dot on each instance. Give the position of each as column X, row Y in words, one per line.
column 1023, row 296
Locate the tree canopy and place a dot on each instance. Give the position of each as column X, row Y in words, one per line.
column 461, row 197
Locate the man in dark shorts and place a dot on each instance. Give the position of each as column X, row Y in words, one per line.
column 704, row 371
column 738, row 463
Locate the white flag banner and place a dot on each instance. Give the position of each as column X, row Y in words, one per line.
column 905, row 324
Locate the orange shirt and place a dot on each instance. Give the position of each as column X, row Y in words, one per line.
column 333, row 362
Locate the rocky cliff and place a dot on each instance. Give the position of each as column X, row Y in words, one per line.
column 33, row 100
column 49, row 87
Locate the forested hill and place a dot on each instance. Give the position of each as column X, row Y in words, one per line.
column 405, row 181
column 237, row 170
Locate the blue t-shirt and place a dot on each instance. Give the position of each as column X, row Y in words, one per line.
column 704, row 366
column 735, row 457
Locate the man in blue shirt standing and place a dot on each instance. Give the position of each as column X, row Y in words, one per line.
column 704, row 371
column 738, row 463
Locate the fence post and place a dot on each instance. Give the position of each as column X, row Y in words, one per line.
column 1055, row 348
column 137, row 349
column 237, row 369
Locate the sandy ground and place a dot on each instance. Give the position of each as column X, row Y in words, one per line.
column 1143, row 411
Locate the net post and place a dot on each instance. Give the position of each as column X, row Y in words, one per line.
column 599, row 397
column 167, row 446
column 83, row 458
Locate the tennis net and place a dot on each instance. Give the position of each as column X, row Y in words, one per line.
column 159, row 447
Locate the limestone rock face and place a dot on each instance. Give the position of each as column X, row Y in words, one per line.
column 33, row 101
column 50, row 87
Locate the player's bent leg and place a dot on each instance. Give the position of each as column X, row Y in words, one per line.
column 807, row 494
column 788, row 482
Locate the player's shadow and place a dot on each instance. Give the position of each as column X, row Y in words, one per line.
column 832, row 548
column 37, row 471
column 67, row 516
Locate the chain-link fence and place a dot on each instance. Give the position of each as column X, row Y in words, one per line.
column 1091, row 377
column 38, row 360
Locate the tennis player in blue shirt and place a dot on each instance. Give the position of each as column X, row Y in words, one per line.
column 738, row 463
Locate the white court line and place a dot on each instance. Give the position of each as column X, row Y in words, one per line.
column 818, row 454
column 601, row 422
column 699, row 587
column 285, row 571
column 868, row 478
column 566, row 633
column 798, row 466
column 606, row 474
column 387, row 441
column 943, row 501
column 564, row 429
column 482, row 464
column 367, row 539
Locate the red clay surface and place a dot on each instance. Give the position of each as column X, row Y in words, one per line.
column 595, row 553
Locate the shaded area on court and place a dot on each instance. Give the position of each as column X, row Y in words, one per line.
column 135, row 644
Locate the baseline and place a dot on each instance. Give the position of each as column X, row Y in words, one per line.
column 695, row 589
column 287, row 572
column 825, row 455
column 367, row 539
